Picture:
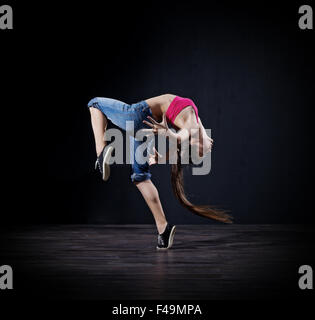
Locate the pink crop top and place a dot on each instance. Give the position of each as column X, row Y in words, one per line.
column 177, row 105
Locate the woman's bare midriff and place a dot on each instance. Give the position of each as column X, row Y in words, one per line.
column 159, row 105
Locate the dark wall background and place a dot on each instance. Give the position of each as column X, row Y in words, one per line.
column 248, row 67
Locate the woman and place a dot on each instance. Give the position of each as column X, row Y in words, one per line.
column 179, row 112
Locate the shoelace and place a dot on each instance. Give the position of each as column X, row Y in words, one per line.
column 97, row 163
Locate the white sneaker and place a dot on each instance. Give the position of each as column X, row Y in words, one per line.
column 102, row 162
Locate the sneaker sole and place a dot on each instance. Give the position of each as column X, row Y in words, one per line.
column 106, row 166
column 170, row 240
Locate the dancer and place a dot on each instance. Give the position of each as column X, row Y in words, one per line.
column 155, row 115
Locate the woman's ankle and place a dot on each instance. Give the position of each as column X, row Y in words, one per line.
column 99, row 149
column 161, row 227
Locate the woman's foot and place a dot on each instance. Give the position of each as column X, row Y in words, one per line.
column 102, row 162
column 165, row 239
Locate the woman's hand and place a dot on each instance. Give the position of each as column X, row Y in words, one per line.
column 159, row 128
column 175, row 138
column 154, row 158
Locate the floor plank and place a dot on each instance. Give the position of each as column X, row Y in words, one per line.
column 120, row 261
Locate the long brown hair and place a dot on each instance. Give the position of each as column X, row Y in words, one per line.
column 206, row 211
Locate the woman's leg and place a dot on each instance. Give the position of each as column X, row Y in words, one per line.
column 151, row 196
column 99, row 124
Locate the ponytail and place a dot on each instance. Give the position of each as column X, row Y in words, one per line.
column 206, row 211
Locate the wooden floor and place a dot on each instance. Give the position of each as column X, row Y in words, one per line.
column 121, row 262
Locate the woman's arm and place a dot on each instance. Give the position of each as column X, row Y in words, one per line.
column 157, row 158
column 181, row 136
column 176, row 140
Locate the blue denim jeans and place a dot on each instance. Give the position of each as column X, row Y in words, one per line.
column 118, row 113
